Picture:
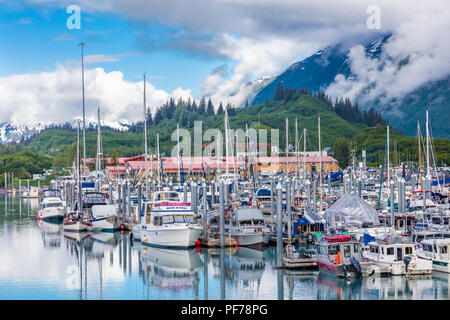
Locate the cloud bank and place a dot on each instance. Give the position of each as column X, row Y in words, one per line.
column 416, row 54
column 56, row 96
column 262, row 38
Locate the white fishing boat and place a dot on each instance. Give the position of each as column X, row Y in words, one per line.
column 247, row 227
column 167, row 222
column 400, row 257
column 52, row 206
column 437, row 251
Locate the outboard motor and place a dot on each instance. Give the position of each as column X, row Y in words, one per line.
column 345, row 269
column 356, row 266
column 309, row 238
column 406, row 261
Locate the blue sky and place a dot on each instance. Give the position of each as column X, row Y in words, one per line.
column 38, row 39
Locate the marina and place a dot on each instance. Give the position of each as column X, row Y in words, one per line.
column 231, row 151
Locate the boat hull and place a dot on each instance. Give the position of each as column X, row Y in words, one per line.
column 75, row 226
column 171, row 237
column 106, row 224
column 255, row 239
column 52, row 213
column 442, row 266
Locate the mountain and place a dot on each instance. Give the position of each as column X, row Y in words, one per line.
column 10, row 133
column 320, row 70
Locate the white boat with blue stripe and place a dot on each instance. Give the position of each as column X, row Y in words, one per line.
column 167, row 222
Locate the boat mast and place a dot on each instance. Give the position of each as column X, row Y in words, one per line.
column 178, row 156
column 320, row 168
column 428, row 146
column 159, row 164
column 226, row 139
column 304, row 152
column 84, row 115
column 296, row 147
column 388, row 173
column 420, row 154
column 287, row 146
column 98, row 165
column 78, row 169
column 145, row 136
column 320, row 156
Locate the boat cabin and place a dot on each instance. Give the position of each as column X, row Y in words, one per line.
column 330, row 246
column 391, row 252
column 437, row 248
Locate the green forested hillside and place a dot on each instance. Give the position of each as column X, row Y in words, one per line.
column 271, row 115
column 402, row 148
column 57, row 147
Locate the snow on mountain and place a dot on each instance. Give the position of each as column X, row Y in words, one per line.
column 10, row 133
column 14, row 133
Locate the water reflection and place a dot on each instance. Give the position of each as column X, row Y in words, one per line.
column 41, row 261
column 51, row 233
column 168, row 269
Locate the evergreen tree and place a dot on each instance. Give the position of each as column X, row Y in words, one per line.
column 202, row 107
column 278, row 93
column 220, row 109
column 342, row 152
column 210, row 108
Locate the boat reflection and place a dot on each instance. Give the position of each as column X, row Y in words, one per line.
column 246, row 265
column 170, row 269
column 384, row 288
column 51, row 233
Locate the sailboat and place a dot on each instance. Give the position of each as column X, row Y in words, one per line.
column 74, row 221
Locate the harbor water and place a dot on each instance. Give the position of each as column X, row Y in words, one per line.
column 38, row 260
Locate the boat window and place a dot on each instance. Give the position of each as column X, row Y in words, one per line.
column 167, row 219
column 189, row 219
column 444, row 249
column 157, row 220
column 435, row 249
column 347, row 252
column 355, row 247
column 382, row 250
column 374, row 249
column 179, row 218
column 408, row 250
column 52, row 205
column 390, row 251
column 333, row 250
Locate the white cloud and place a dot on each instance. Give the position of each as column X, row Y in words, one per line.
column 255, row 59
column 63, row 37
column 421, row 41
column 56, row 96
column 98, row 58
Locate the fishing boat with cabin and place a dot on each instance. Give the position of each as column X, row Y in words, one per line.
column 341, row 255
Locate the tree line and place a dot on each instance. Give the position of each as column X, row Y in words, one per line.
column 342, row 106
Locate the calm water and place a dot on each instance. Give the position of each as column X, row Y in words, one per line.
column 39, row 261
